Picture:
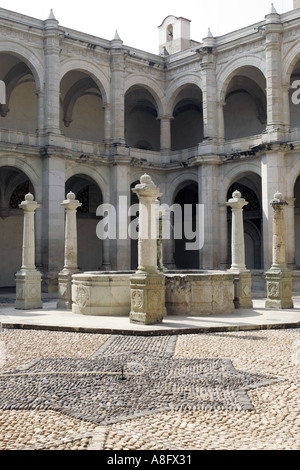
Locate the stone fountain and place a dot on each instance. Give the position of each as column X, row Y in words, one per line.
column 150, row 293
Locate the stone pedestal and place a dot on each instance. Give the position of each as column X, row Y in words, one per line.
column 147, row 294
column 28, row 279
column 242, row 276
column 70, row 265
column 279, row 277
column 147, row 285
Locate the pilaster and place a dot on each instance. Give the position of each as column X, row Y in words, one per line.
column 120, row 196
column 53, row 220
column 208, row 224
column 209, row 89
column 272, row 180
column 117, row 65
column 275, row 129
column 52, row 133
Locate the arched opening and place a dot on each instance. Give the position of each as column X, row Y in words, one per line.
column 245, row 104
column 142, row 128
column 170, row 32
column 19, row 109
column 88, row 244
column 187, row 123
column 297, row 221
column 250, row 188
column 82, row 113
column 14, row 185
column 187, row 199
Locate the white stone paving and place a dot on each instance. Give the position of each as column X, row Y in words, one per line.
column 274, row 424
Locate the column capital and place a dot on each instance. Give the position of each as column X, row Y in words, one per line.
column 29, row 205
column 71, row 203
column 236, row 202
column 278, row 201
column 146, row 188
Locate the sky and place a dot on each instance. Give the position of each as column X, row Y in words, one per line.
column 137, row 21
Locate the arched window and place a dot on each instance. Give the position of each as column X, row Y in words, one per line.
column 170, row 32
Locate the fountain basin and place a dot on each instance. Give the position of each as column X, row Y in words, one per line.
column 199, row 293
column 187, row 293
column 101, row 293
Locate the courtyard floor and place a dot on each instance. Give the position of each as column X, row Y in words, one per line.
column 236, row 389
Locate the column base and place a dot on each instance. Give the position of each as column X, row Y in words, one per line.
column 65, row 288
column 279, row 288
column 28, row 290
column 147, row 298
column 242, row 289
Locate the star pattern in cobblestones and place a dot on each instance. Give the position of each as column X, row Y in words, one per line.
column 116, row 385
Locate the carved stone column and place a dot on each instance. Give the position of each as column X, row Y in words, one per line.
column 279, row 277
column 147, row 284
column 165, row 133
column 28, row 279
column 242, row 275
column 70, row 265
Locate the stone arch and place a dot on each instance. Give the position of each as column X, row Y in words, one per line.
column 142, row 127
column 290, row 59
column 29, row 57
column 14, row 185
column 245, row 104
column 90, row 69
column 81, row 106
column 21, row 164
column 187, row 124
column 88, row 192
column 94, row 174
column 22, row 83
column 186, row 197
column 180, row 181
column 292, row 74
column 235, row 172
column 176, row 86
column 292, row 175
column 232, row 68
column 249, row 185
column 142, row 81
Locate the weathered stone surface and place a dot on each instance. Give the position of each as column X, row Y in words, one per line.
column 204, row 293
column 70, row 264
column 279, row 277
column 28, row 279
column 101, row 293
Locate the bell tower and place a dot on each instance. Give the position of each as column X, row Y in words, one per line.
column 174, row 35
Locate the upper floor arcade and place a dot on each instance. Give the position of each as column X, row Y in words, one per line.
column 91, row 96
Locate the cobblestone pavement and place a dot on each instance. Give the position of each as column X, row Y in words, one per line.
column 231, row 390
